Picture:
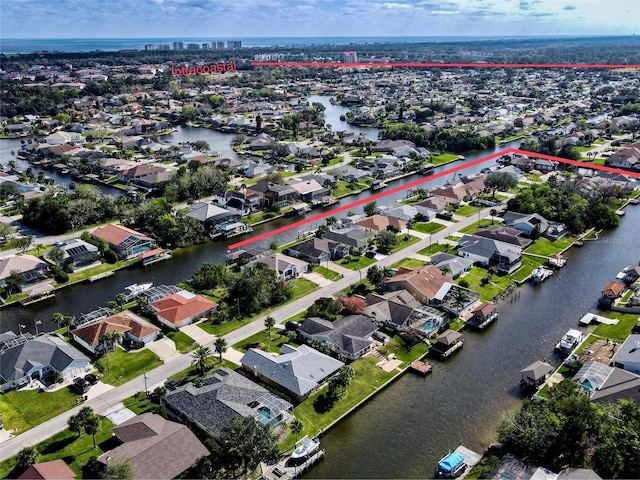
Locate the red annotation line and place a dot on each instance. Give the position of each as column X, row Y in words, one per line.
column 444, row 65
column 420, row 181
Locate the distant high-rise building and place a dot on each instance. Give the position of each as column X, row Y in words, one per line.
column 234, row 44
column 149, row 46
column 164, row 46
column 178, row 46
column 205, row 46
column 193, row 46
column 217, row 45
column 350, row 57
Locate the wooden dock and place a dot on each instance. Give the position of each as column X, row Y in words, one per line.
column 283, row 471
column 100, row 276
column 420, row 367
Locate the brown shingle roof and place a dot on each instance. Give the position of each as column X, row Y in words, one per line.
column 120, row 322
column 427, row 279
column 53, row 470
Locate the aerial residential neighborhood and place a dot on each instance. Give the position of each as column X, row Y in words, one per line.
column 231, row 274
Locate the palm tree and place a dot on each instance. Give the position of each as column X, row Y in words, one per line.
column 220, row 346
column 460, row 297
column 201, row 357
column 296, row 427
column 92, row 426
column 269, row 322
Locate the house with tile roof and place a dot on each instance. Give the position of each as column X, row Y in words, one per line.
column 156, row 449
column 224, row 396
column 350, row 336
column 33, row 269
column 127, row 323
column 37, row 358
column 146, row 175
column 53, row 470
column 423, row 283
column 127, row 243
column 182, row 308
column 297, row 371
column 379, row 223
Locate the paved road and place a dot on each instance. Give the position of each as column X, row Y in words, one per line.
column 158, row 375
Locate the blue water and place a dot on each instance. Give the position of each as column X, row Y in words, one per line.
column 29, row 45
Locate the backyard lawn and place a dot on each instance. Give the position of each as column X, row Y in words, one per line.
column 619, row 332
column 75, row 450
column 544, row 246
column 184, row 343
column 24, row 409
column 443, row 158
column 261, row 340
column 124, row 366
column 496, row 286
column 529, row 264
column 430, row 227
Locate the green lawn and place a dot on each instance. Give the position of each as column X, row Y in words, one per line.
column 430, row 227
column 221, row 329
column 302, row 287
column 496, row 286
column 139, row 403
column 402, row 350
column 66, row 445
column 409, row 263
column 184, row 343
column 24, row 409
column 261, row 340
column 435, row 248
column 529, row 264
column 405, row 243
column 124, row 366
column 368, row 378
column 544, row 246
column 619, row 332
column 532, row 176
column 443, row 158
column 328, row 274
column 484, row 223
column 102, row 268
column 466, row 210
column 356, row 263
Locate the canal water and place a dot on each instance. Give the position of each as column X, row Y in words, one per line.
column 407, row 428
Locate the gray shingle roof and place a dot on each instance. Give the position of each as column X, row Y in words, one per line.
column 298, row 370
column 349, row 333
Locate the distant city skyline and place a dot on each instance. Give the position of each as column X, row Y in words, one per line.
column 309, row 18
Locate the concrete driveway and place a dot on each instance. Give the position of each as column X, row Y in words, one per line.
column 199, row 335
column 165, row 348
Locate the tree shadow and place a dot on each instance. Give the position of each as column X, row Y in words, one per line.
column 59, row 445
column 109, row 444
column 324, row 403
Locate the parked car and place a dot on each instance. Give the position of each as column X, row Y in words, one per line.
column 91, row 378
column 171, row 384
column 81, row 385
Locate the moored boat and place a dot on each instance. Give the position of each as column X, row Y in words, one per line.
column 570, row 341
column 136, row 288
column 451, row 465
column 305, row 448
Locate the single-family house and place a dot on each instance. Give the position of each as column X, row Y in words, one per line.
column 317, row 250
column 182, row 308
column 127, row 243
column 77, row 253
column 286, row 267
column 457, row 194
column 628, row 355
column 483, row 315
column 53, row 470
column 297, row 371
column 400, row 311
column 611, row 292
column 353, row 237
column 146, row 175
column 36, row 358
column 33, row 269
column 309, row 190
column 350, row 335
column 509, row 235
column 60, row 138
column 126, row 323
column 262, row 141
column 389, row 145
column 504, row 257
column 379, row 223
column 627, row 157
column 156, row 449
column 274, row 195
column 607, row 384
column 451, row 264
column 528, row 223
column 209, row 214
column 423, row 283
column 224, row 396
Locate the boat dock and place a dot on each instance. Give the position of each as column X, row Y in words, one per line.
column 283, row 471
column 100, row 276
column 471, row 458
column 420, row 367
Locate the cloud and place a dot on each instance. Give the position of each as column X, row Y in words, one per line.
column 396, row 6
column 570, row 7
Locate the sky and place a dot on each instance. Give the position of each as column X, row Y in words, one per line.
column 314, row 18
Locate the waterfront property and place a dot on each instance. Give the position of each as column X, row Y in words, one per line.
column 126, row 323
column 610, row 293
column 181, row 308
column 223, row 396
column 78, row 253
column 446, row 344
column 401, row 311
column 483, row 315
column 154, row 447
column 608, row 384
column 298, row 371
column 28, row 358
column 33, row 269
column 127, row 243
column 286, row 267
column 628, row 355
column 535, row 374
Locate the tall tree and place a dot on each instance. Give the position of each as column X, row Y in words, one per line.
column 26, row 457
column 14, row 281
column 92, row 426
column 269, row 322
column 201, row 357
column 370, row 209
column 247, row 443
column 220, row 346
column 296, row 427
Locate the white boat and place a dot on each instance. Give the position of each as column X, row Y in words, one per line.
column 305, row 447
column 136, row 289
column 570, row 341
column 540, row 274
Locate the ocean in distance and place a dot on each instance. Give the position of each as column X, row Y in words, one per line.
column 30, row 45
